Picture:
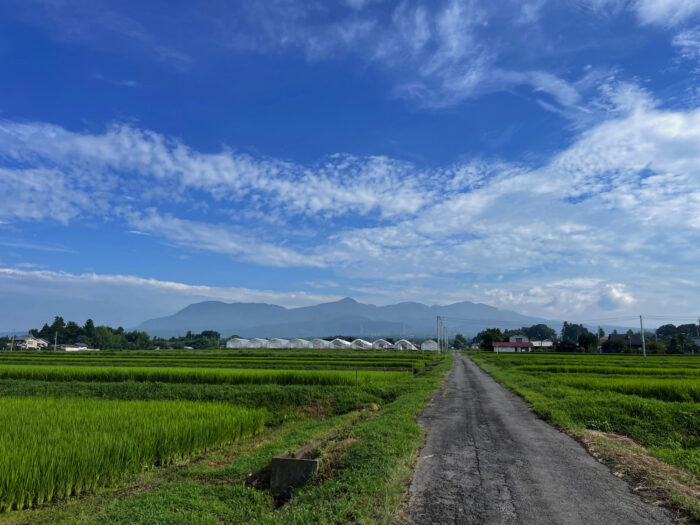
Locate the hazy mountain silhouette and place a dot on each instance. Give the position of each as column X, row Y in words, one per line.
column 346, row 316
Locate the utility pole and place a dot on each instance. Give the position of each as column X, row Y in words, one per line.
column 600, row 348
column 641, row 327
column 55, row 340
column 437, row 332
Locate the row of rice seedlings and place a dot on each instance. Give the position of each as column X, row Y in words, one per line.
column 609, row 370
column 197, row 375
column 219, row 362
column 683, row 390
column 54, row 448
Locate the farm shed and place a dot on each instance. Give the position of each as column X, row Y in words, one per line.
column 256, row 342
column 299, row 343
column 512, row 347
column 340, row 343
column 361, row 344
column 237, row 342
column 381, row 344
column 277, row 343
column 320, row 343
column 429, row 344
column 403, row 344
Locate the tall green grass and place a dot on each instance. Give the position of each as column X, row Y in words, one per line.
column 55, row 448
column 197, row 375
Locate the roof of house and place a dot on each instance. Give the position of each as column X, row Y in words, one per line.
column 513, row 344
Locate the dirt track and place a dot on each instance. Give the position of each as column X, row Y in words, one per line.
column 489, row 459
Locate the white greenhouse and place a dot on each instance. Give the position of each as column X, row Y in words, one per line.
column 361, row 344
column 340, row 344
column 237, row 342
column 299, row 343
column 403, row 344
column 256, row 342
column 381, row 344
column 429, row 344
column 277, row 343
column 320, row 343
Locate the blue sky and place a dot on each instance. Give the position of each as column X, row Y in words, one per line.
column 540, row 156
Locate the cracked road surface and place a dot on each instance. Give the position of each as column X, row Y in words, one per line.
column 489, row 459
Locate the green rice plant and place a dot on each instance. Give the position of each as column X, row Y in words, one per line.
column 54, row 448
column 197, row 375
column 663, row 389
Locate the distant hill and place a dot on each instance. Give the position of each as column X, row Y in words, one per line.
column 346, row 316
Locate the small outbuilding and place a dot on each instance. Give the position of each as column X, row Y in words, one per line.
column 256, row 342
column 381, row 344
column 299, row 343
column 277, row 343
column 320, row 343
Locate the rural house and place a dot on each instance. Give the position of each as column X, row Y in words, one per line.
column 516, row 343
column 30, row 343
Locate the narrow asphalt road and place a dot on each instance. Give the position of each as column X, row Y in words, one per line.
column 489, row 459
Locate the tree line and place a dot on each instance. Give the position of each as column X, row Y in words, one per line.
column 667, row 339
column 108, row 338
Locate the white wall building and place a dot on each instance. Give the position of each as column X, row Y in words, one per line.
column 361, row 344
column 381, row 344
column 542, row 344
column 299, row 343
column 277, row 343
column 429, row 344
column 518, row 338
column 30, row 343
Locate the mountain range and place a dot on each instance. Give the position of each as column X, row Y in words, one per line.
column 344, row 317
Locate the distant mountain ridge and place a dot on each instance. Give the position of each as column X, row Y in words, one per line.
column 347, row 317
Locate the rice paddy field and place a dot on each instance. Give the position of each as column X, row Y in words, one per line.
column 653, row 400
column 187, row 436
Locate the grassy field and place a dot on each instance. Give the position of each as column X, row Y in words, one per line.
column 151, row 437
column 653, row 400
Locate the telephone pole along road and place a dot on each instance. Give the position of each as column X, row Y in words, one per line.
column 489, row 459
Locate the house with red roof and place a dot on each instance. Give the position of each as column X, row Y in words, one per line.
column 516, row 343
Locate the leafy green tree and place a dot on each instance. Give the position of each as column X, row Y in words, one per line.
column 674, row 345
column 588, row 341
column 461, row 342
column 688, row 330
column 539, row 332
column 487, row 337
column 655, row 347
column 666, row 332
column 601, row 333
column 614, row 346
column 572, row 331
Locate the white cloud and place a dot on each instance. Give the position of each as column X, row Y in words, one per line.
column 688, row 43
column 622, row 202
column 71, row 162
column 117, row 299
column 660, row 12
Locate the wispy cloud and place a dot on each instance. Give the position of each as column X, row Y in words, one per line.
column 602, row 206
